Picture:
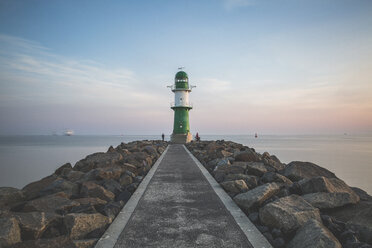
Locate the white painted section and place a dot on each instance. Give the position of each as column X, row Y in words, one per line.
column 109, row 238
column 181, row 98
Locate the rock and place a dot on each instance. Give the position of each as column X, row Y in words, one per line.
column 247, row 156
column 278, row 242
column 288, row 213
column 276, row 233
column 111, row 210
column 10, row 233
column 323, row 184
column 256, row 169
column 323, row 200
column 252, row 199
column 98, row 160
column 60, row 169
column 91, row 189
column 234, row 187
column 150, row 150
column 79, row 226
column 91, row 201
column 125, row 180
column 251, row 181
column 85, row 243
column 109, row 173
column 226, row 153
column 113, row 186
column 325, row 192
column 357, row 217
column 74, row 176
column 297, row 170
column 34, row 224
column 253, row 217
column 124, row 196
column 235, row 168
column 10, row 196
column 314, row 235
column 216, row 163
column 58, row 203
column 130, row 167
column 60, row 185
column 270, row 177
column 58, row 242
column 364, row 196
column 32, row 190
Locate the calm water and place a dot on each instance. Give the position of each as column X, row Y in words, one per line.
column 24, row 159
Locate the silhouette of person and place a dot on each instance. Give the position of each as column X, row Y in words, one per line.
column 162, row 136
column 197, row 137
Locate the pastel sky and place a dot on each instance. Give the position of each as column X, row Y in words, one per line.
column 265, row 66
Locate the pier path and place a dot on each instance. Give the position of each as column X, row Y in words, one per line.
column 178, row 204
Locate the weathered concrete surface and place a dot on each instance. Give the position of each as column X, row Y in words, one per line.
column 180, row 209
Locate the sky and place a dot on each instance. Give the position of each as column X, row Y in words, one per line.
column 267, row 67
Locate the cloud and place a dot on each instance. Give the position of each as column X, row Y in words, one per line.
column 31, row 72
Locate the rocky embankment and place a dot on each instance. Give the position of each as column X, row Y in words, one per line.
column 74, row 206
column 294, row 205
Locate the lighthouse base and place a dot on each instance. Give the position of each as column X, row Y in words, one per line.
column 181, row 138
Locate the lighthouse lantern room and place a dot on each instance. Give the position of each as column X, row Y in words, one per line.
column 181, row 106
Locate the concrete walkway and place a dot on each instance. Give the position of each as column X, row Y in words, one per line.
column 180, row 208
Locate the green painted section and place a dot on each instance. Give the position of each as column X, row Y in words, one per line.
column 181, row 75
column 181, row 80
column 181, row 120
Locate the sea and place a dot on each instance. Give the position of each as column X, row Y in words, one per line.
column 24, row 159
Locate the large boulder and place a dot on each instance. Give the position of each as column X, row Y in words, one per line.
column 62, row 168
column 357, row 217
column 58, row 203
column 251, row 181
column 106, row 173
column 256, row 169
column 288, row 213
column 60, row 185
column 10, row 233
column 91, row 189
column 90, row 201
column 314, row 235
column 80, row 226
column 85, row 243
column 323, row 200
column 74, row 176
column 98, row 160
column 323, row 184
column 10, row 196
column 271, row 177
column 298, row 170
column 234, row 187
column 34, row 224
column 253, row 199
column 58, row 242
column 324, row 192
column 247, row 156
column 32, row 190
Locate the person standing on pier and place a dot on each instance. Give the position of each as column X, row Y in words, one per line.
column 162, row 136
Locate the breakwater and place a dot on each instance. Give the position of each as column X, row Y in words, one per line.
column 74, row 206
column 292, row 204
column 298, row 204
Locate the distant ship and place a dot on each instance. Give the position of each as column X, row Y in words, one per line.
column 69, row 133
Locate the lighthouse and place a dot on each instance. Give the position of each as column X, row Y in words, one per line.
column 181, row 107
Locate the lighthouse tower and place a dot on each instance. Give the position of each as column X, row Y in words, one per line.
column 181, row 106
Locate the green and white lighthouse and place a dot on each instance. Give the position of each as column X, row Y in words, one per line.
column 181, row 106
